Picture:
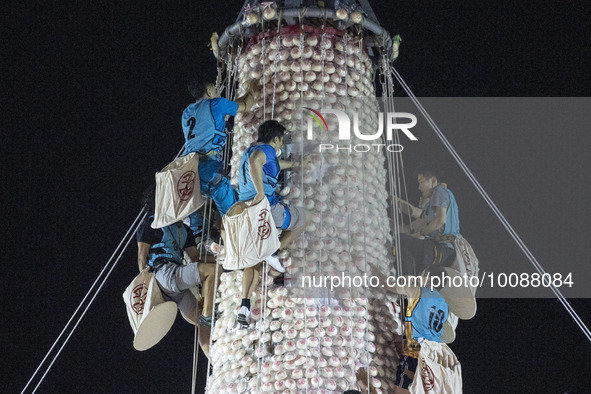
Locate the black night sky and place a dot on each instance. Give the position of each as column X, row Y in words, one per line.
column 92, row 95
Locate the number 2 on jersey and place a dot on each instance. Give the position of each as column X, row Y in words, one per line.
column 191, row 124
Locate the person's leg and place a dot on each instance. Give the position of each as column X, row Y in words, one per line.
column 166, row 277
column 293, row 220
column 250, row 280
column 196, row 219
column 223, row 195
column 187, row 276
column 215, row 184
column 411, row 252
column 189, row 307
column 448, row 255
column 405, row 374
column 208, row 169
column 175, row 281
column 417, row 254
column 400, row 390
column 207, row 274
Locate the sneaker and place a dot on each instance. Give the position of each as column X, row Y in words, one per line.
column 205, row 321
column 274, row 262
column 243, row 317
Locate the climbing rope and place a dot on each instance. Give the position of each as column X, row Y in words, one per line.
column 129, row 237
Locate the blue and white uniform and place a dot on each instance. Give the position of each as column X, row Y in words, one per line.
column 444, row 198
column 425, row 316
column 203, row 125
column 286, row 217
column 271, row 169
column 166, row 256
column 417, row 254
column 166, row 244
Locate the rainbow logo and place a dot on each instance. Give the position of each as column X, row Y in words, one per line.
column 316, row 119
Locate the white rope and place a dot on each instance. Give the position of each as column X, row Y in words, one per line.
column 213, row 317
column 89, row 303
column 82, row 302
column 262, row 322
column 492, row 206
column 195, row 357
column 87, row 294
column 231, row 90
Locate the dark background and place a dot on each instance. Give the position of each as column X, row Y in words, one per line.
column 91, row 102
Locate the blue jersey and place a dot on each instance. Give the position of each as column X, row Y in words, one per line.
column 426, row 315
column 443, row 197
column 452, row 222
column 166, row 244
column 204, row 124
column 271, row 169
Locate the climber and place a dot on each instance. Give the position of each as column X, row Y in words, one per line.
column 204, row 124
column 162, row 250
column 426, row 326
column 429, row 238
column 258, row 173
column 258, row 176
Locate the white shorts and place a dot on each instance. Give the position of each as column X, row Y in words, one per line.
column 297, row 216
column 175, row 281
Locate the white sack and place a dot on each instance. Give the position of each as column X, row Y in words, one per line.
column 466, row 261
column 177, row 191
column 438, row 370
column 149, row 315
column 250, row 234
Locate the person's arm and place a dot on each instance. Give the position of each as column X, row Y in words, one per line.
column 245, row 104
column 285, row 164
column 408, row 208
column 256, row 162
column 417, row 225
column 142, row 255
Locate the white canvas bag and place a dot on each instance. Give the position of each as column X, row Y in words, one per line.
column 466, row 261
column 177, row 191
column 438, row 370
column 149, row 315
column 250, row 234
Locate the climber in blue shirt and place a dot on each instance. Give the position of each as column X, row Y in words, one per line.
column 426, row 319
column 162, row 250
column 429, row 238
column 258, row 175
column 204, row 128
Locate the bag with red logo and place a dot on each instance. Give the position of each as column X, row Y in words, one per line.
column 438, row 370
column 177, row 191
column 250, row 234
column 149, row 315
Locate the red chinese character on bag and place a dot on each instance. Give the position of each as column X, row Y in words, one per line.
column 264, row 229
column 138, row 298
column 185, row 185
column 427, row 376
